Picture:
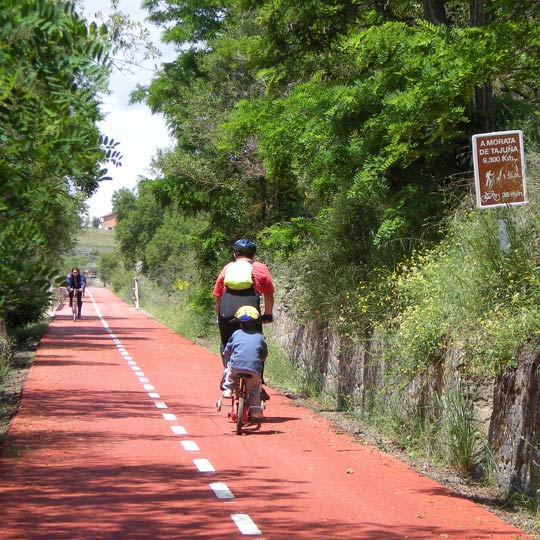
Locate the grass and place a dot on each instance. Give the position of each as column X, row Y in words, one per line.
column 96, row 240
column 170, row 309
column 279, row 371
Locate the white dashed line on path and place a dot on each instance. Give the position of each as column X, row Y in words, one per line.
column 190, row 446
column 203, row 465
column 245, row 524
column 221, row 490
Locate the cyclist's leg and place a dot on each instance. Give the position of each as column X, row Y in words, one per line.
column 70, row 294
column 253, row 386
column 226, row 330
column 79, row 301
column 228, row 382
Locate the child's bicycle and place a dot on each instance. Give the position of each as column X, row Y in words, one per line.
column 240, row 412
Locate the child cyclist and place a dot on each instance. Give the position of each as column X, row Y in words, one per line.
column 246, row 352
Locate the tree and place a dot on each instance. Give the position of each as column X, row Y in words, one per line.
column 52, row 68
column 137, row 220
column 355, row 117
column 108, row 263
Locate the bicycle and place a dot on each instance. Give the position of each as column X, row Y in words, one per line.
column 75, row 304
column 240, row 413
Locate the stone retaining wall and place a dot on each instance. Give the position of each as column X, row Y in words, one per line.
column 505, row 410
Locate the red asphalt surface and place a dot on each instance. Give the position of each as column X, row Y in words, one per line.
column 91, row 455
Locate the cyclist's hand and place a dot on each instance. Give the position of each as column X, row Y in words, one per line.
column 267, row 318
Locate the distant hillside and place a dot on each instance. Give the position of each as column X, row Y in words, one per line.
column 91, row 245
column 95, row 242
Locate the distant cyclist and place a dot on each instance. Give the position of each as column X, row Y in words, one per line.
column 242, row 282
column 76, row 284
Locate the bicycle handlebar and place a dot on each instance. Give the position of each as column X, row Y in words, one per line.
column 76, row 290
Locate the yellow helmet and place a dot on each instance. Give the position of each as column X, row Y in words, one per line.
column 247, row 314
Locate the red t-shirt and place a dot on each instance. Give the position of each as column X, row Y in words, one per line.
column 262, row 280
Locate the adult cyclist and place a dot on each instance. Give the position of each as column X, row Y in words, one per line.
column 242, row 282
column 75, row 285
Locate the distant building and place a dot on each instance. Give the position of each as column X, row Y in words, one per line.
column 108, row 221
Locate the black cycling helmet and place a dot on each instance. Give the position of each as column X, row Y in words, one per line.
column 244, row 247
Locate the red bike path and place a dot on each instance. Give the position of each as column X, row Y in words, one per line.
column 117, row 437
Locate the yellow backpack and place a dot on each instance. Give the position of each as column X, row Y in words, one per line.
column 238, row 275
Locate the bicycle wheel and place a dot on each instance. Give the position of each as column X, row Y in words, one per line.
column 75, row 309
column 240, row 415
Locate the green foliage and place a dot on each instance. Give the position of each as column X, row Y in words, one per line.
column 285, row 240
column 108, row 265
column 334, row 133
column 279, row 371
column 470, row 293
column 52, row 67
column 459, row 436
column 6, row 355
column 138, row 218
column 168, row 254
column 180, row 310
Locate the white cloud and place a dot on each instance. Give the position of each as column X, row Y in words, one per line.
column 139, row 133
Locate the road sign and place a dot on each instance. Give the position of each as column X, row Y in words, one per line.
column 499, row 169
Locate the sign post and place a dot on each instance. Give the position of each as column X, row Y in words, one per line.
column 499, row 169
column 499, row 174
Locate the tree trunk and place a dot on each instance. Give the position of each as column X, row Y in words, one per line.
column 484, row 119
column 3, row 329
column 478, row 13
column 435, row 11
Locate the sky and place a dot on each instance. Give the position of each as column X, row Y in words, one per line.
column 139, row 132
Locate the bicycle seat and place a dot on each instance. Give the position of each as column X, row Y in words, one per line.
column 244, row 375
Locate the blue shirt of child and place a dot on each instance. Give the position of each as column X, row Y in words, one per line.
column 246, row 350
